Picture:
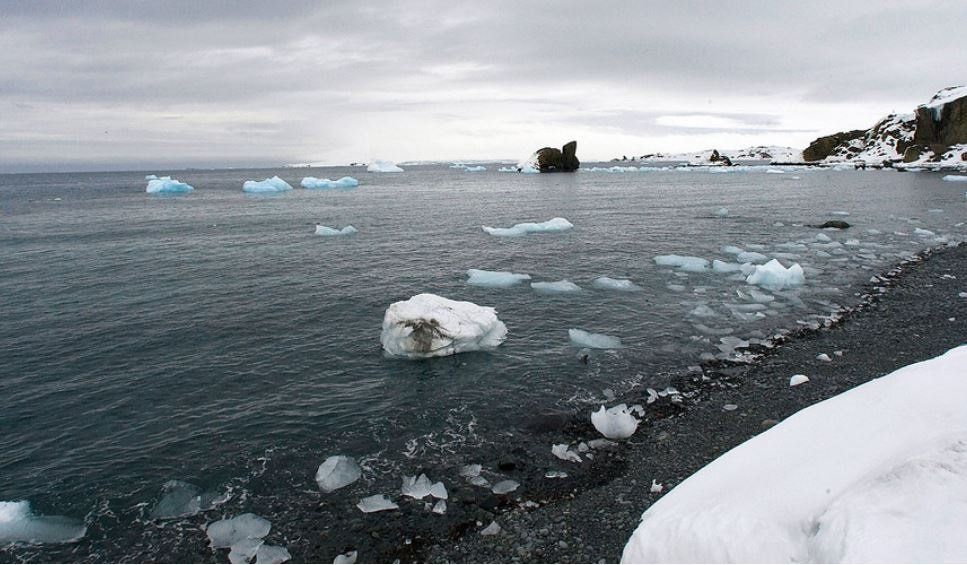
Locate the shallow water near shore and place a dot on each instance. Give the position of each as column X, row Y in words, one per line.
column 211, row 337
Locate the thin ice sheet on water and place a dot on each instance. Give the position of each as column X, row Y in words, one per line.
column 682, row 262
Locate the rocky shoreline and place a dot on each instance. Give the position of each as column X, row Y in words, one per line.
column 909, row 314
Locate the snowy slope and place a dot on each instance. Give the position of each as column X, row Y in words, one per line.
column 771, row 153
column 876, row 474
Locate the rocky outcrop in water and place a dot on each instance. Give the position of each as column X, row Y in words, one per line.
column 551, row 160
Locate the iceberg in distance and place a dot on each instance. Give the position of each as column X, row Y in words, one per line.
column 314, row 183
column 552, row 225
column 274, row 184
column 327, row 231
column 494, row 279
column 379, row 166
column 582, row 338
column 166, row 185
column 428, row 325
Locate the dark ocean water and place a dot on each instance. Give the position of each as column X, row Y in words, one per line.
column 201, row 337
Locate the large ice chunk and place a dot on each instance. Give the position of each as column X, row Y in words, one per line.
column 494, row 279
column 336, row 472
column 274, row 184
column 19, row 524
column 556, row 287
column 167, row 185
column 685, row 263
column 552, row 225
column 228, row 532
column 329, row 232
column 244, row 550
column 428, row 325
column 421, row 487
column 615, row 423
column 774, row 276
column 344, row 182
column 582, row 338
column 608, row 283
column 378, row 166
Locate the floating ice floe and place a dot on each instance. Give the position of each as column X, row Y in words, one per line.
column 383, row 167
column 556, row 287
column 685, row 263
column 750, row 257
column 615, row 423
column 166, row 185
column 507, row 170
column 19, row 524
column 336, row 472
column 314, row 183
column 723, row 267
column 955, row 178
column 852, row 479
column 376, row 503
column 330, row 232
column 552, row 225
column 774, row 276
column 494, row 279
column 184, row 499
column 797, row 380
column 607, row 283
column 582, row 338
column 232, row 531
column 504, row 487
column 656, row 487
column 564, row 453
column 274, row 184
column 477, row 169
column 428, row 325
column 348, row 558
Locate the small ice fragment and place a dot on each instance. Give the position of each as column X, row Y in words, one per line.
column 336, row 472
column 478, row 481
column 504, row 487
column 601, row 443
column 494, row 279
column 440, row 507
column 416, row 487
column 438, row 490
column 183, row 499
column 750, row 257
column 166, row 185
column 732, row 250
column 472, row 470
column 379, row 166
column 583, row 448
column 823, row 238
column 722, row 212
column 314, row 183
column 723, row 267
column 428, row 325
column 347, row 558
column 823, row 357
column 923, row 232
column 327, row 231
column 19, row 524
column 555, row 287
column 684, row 263
column 614, row 423
column 797, row 380
column 839, row 352
column 228, row 532
column 774, row 276
column 555, row 475
column 730, row 407
column 703, row 311
column 962, row 294
column 491, row 530
column 839, row 213
column 607, row 283
column 582, row 338
column 608, row 394
column 272, row 554
column 760, row 297
column 656, row 487
column 376, row 503
column 561, row 451
column 552, row 225
column 274, row 184
column 244, row 550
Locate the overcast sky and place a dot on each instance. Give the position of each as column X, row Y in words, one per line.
column 154, row 84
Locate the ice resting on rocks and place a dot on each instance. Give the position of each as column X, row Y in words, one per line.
column 428, row 325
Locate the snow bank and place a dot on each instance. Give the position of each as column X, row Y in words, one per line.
column 428, row 325
column 383, row 167
column 494, row 279
column 556, row 287
column 552, row 225
column 774, row 276
column 344, row 182
column 19, row 524
column 166, row 185
column 876, row 474
column 327, row 231
column 274, row 184
column 582, row 338
column 336, row 472
column 608, row 283
column 955, row 178
column 615, row 423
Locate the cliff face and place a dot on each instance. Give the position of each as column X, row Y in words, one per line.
column 935, row 132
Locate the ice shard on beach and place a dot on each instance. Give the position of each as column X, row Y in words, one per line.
column 615, row 423
column 376, row 503
column 336, row 472
column 228, row 532
column 428, row 325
